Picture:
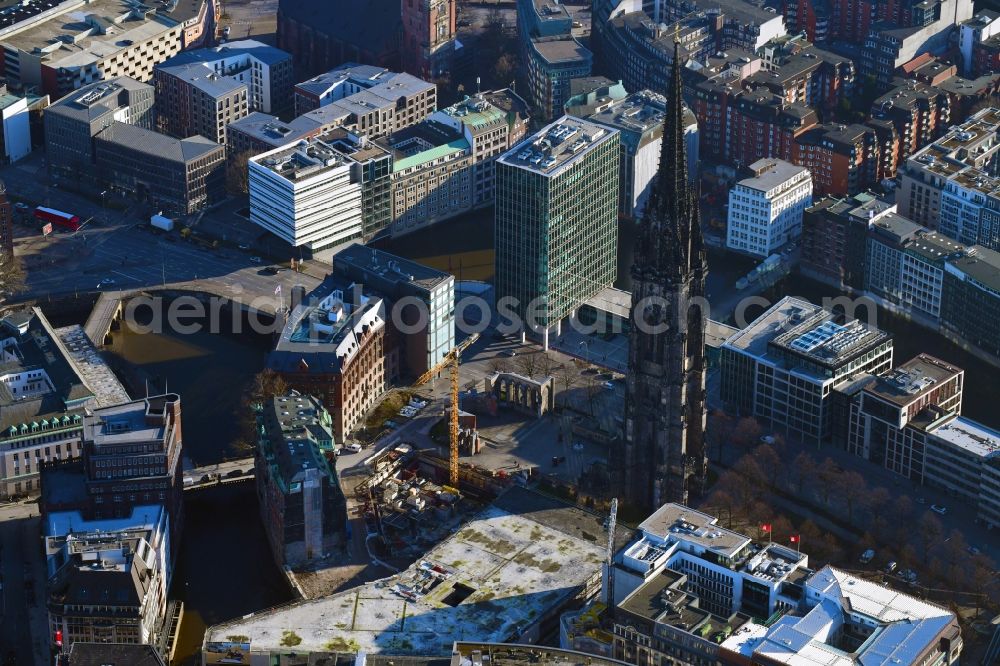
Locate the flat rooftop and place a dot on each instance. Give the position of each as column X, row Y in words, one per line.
column 61, row 34
column 805, row 330
column 981, row 266
column 500, row 573
column 973, row 437
column 934, row 246
column 906, row 625
column 913, row 379
column 771, row 173
column 561, row 51
column 673, row 522
column 125, row 423
column 390, row 267
column 267, row 129
column 306, row 158
column 558, row 146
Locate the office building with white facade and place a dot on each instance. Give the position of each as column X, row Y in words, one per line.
column 688, row 591
column 108, row 579
column 310, row 193
column 952, row 185
column 765, row 210
column 783, row 367
column 891, row 413
column 556, row 224
column 639, row 120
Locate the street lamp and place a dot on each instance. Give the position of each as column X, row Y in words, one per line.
column 586, row 351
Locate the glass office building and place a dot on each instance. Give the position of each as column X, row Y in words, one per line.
column 556, row 222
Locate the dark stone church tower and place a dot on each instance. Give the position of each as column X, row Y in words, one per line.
column 662, row 458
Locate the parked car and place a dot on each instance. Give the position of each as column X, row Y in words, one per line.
column 867, row 556
column 889, row 568
column 609, row 385
column 578, row 446
column 973, row 550
column 354, row 448
column 510, row 353
column 105, row 282
column 940, row 510
column 256, row 260
column 909, row 575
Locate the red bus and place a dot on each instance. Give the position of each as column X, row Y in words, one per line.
column 57, row 217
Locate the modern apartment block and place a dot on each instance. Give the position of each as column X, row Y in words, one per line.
column 402, row 280
column 891, row 412
column 334, row 346
column 301, row 503
column 107, row 579
column 688, row 590
column 177, row 175
column 952, row 184
column 783, row 367
column 372, row 100
column 193, row 100
column 72, row 122
column 917, row 111
column 202, row 91
column 550, row 55
column 639, row 120
column 264, row 70
column 765, row 210
column 59, row 47
column 322, row 191
column 492, row 123
column 556, row 222
column 428, row 37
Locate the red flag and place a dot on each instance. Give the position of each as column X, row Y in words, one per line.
column 794, row 538
column 766, row 527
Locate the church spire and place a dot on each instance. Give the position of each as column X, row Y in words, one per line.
column 673, row 176
column 671, row 234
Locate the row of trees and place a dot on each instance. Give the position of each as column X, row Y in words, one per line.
column 898, row 528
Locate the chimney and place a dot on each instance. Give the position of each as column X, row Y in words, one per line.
column 298, row 296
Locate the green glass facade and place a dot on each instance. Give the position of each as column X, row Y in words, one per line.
column 556, row 231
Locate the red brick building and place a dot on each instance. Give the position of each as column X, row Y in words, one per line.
column 428, row 36
column 920, row 113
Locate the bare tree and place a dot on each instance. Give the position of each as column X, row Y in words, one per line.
column 805, row 469
column 499, row 364
column 853, row 489
column 827, row 476
column 747, row 432
column 528, row 364
column 770, row 463
column 237, row 173
column 546, row 365
column 567, row 378
column 929, row 533
column 877, row 503
column 266, row 385
column 11, row 275
column 720, row 428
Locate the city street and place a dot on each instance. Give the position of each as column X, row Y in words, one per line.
column 119, row 250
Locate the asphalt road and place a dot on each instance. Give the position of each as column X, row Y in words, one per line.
column 119, row 250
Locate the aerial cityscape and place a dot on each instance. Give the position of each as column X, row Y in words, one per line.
column 500, row 332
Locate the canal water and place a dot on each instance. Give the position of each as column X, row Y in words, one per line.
column 225, row 568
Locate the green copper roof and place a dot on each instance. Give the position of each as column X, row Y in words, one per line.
column 432, row 154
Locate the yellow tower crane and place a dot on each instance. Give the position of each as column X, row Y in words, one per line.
column 451, row 359
column 453, row 426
